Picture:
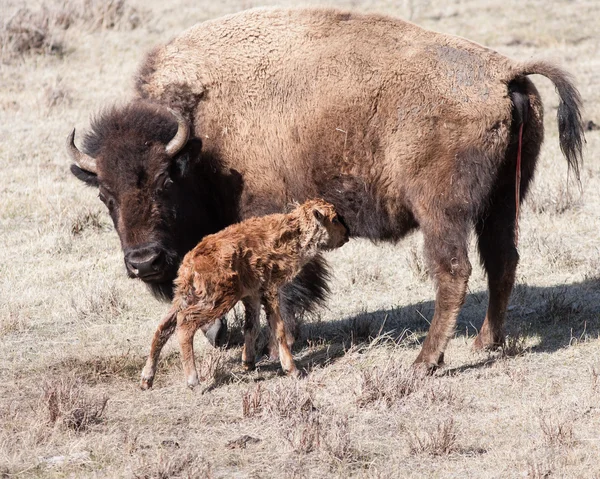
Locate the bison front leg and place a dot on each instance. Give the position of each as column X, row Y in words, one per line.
column 163, row 332
column 451, row 269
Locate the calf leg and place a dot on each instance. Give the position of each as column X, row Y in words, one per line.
column 251, row 328
column 163, row 332
column 449, row 262
column 307, row 291
column 188, row 322
column 278, row 331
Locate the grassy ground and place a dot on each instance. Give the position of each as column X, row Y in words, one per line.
column 74, row 331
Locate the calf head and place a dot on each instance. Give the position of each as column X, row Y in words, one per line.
column 142, row 161
column 329, row 229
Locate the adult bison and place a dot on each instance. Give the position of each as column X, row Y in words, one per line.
column 397, row 126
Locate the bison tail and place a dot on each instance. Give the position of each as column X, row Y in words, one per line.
column 308, row 290
column 570, row 124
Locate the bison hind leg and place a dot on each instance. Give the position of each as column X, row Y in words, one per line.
column 495, row 227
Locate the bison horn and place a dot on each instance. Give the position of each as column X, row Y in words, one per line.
column 181, row 137
column 85, row 162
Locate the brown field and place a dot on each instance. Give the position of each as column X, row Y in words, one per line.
column 74, row 331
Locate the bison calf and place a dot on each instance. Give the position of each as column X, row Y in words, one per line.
column 248, row 261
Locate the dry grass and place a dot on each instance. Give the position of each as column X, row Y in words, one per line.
column 439, row 441
column 41, row 31
column 388, row 384
column 68, row 403
column 75, row 331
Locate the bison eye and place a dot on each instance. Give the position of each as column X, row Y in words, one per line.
column 108, row 201
column 164, row 185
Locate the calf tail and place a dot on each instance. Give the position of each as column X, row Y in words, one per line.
column 570, row 125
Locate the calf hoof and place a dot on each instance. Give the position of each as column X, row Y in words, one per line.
column 146, row 380
column 249, row 365
column 217, row 333
column 146, row 383
column 192, row 382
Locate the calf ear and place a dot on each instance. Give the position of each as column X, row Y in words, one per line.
column 88, row 178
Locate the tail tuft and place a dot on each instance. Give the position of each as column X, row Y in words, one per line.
column 570, row 124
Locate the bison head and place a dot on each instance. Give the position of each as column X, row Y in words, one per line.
column 147, row 171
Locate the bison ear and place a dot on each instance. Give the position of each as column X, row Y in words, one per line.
column 90, row 179
column 187, row 157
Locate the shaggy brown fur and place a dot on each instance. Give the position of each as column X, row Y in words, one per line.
column 397, row 126
column 249, row 262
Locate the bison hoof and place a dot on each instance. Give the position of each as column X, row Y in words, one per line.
column 217, row 333
column 487, row 343
column 249, row 365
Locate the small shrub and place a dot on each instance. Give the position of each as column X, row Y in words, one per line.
column 167, row 465
column 12, row 320
column 439, row 441
column 41, row 31
column 302, row 431
column 252, row 402
column 106, row 303
column 556, row 432
column 338, row 442
column 287, row 400
column 388, row 384
column 27, row 32
column 212, row 369
column 68, row 403
column 417, row 264
column 86, row 220
column 514, row 346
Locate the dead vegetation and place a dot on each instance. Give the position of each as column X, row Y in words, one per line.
column 104, row 303
column 173, row 465
column 556, row 431
column 388, row 384
column 70, row 404
column 41, row 31
column 440, row 440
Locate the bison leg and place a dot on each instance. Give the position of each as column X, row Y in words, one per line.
column 500, row 258
column 496, row 227
column 278, row 331
column 163, row 332
column 251, row 328
column 451, row 269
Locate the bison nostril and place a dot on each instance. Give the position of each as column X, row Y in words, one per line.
column 146, row 265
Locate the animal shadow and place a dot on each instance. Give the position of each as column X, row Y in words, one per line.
column 558, row 316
